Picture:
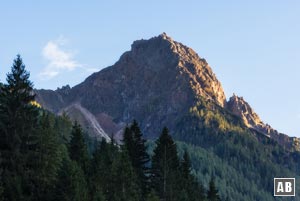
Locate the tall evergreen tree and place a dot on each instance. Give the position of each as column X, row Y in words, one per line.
column 165, row 167
column 1, row 185
column 186, row 165
column 190, row 188
column 100, row 174
column 212, row 193
column 124, row 186
column 71, row 184
column 18, row 124
column 47, row 159
column 78, row 148
column 63, row 126
column 137, row 151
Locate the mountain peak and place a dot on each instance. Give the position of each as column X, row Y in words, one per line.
column 158, row 81
column 167, row 57
column 164, row 36
column 160, row 41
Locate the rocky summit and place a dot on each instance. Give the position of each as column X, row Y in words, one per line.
column 157, row 82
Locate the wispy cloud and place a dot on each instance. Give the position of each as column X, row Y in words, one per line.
column 59, row 59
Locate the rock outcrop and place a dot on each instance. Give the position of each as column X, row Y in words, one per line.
column 241, row 108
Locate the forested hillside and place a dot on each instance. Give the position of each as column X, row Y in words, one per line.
column 45, row 157
column 48, row 157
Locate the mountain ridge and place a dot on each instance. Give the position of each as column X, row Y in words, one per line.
column 157, row 81
column 241, row 108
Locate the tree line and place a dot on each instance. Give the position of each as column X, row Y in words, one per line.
column 45, row 157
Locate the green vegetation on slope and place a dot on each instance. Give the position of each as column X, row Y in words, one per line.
column 44, row 157
column 220, row 145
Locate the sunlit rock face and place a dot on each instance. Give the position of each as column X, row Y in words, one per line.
column 241, row 108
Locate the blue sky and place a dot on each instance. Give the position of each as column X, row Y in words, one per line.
column 252, row 46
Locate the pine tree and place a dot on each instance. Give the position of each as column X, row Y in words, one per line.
column 78, row 149
column 165, row 167
column 212, row 193
column 137, row 151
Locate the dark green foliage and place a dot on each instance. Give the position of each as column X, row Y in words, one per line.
column 172, row 179
column 124, row 181
column 231, row 182
column 71, row 184
column 212, row 193
column 63, row 126
column 165, row 167
column 42, row 157
column 78, row 148
column 29, row 145
column 191, row 189
column 152, row 197
column 98, row 195
column 112, row 174
column 18, row 124
column 47, row 157
column 137, row 151
column 233, row 153
column 185, row 166
column 101, row 166
column 1, row 185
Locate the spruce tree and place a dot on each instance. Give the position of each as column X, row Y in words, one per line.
column 100, row 174
column 128, row 142
column 124, row 181
column 137, row 151
column 190, row 189
column 212, row 193
column 165, row 167
column 71, row 184
column 17, row 117
column 1, row 186
column 47, row 158
column 186, row 165
column 18, row 124
column 78, row 149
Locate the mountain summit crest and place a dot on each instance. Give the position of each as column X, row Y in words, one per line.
column 156, row 82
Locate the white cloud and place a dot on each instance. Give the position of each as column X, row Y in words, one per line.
column 59, row 60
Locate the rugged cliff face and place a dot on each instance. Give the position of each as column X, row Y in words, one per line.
column 241, row 108
column 157, row 82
